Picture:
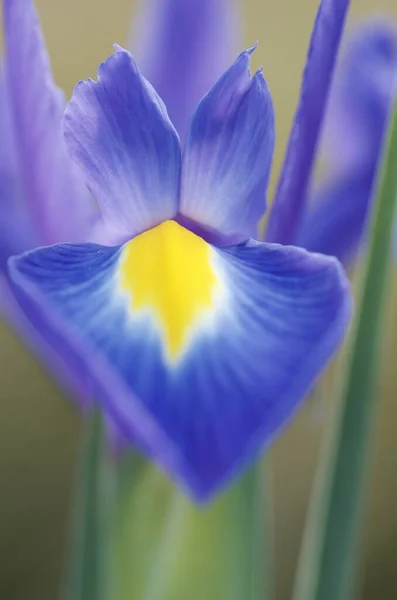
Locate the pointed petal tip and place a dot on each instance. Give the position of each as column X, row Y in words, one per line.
column 119, row 48
column 246, row 54
column 253, row 48
column 261, row 79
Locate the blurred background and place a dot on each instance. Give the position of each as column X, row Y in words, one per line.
column 39, row 427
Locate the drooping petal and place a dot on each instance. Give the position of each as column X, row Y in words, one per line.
column 228, row 154
column 200, row 354
column 183, row 47
column 118, row 131
column 289, row 201
column 361, row 95
column 55, row 198
column 334, row 221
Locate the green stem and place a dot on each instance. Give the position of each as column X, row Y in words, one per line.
column 257, row 530
column 173, row 550
column 328, row 562
column 89, row 568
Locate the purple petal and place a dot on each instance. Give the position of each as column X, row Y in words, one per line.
column 289, row 202
column 271, row 321
column 361, row 96
column 334, row 221
column 15, row 232
column 228, row 154
column 182, row 49
column 55, row 198
column 31, row 327
column 119, row 133
column 8, row 159
column 356, row 121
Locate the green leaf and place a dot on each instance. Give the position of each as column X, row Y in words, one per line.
column 90, row 568
column 328, row 563
column 170, row 549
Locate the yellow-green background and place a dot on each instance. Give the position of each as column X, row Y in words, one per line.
column 39, row 427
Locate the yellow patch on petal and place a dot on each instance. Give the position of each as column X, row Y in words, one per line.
column 167, row 270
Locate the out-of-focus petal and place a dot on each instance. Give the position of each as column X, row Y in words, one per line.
column 118, row 131
column 55, row 197
column 334, row 221
column 183, row 47
column 361, row 95
column 7, row 147
column 11, row 238
column 356, row 121
column 16, row 232
column 28, row 322
column 259, row 323
column 228, row 154
column 289, row 201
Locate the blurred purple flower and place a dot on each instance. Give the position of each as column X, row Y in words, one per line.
column 199, row 346
column 42, row 198
column 183, row 47
column 355, row 125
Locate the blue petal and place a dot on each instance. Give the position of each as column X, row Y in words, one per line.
column 30, row 326
column 119, row 132
column 356, row 121
column 335, row 219
column 183, row 47
column 279, row 314
column 289, row 202
column 8, row 159
column 228, row 155
column 361, row 95
column 16, row 233
column 53, row 195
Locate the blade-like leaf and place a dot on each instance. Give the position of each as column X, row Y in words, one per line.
column 329, row 556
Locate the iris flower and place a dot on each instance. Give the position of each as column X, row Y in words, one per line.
column 354, row 132
column 199, row 341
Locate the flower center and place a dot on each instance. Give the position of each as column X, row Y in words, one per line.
column 167, row 273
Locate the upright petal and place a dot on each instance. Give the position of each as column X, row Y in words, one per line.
column 364, row 87
column 16, row 233
column 228, row 154
column 356, row 121
column 8, row 162
column 289, row 202
column 200, row 375
column 182, row 49
column 119, row 133
column 334, row 221
column 55, row 198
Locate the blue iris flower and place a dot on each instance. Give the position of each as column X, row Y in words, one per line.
column 198, row 341
column 355, row 126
